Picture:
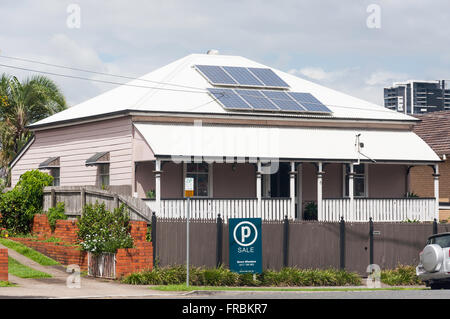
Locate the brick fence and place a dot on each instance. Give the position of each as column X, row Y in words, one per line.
column 128, row 260
column 3, row 264
column 63, row 253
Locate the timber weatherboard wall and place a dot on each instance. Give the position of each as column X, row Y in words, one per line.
column 384, row 180
column 75, row 144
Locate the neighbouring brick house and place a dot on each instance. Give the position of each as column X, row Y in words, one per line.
column 434, row 129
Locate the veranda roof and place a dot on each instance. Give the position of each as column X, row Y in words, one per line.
column 293, row 143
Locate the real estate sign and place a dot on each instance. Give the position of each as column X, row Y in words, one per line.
column 245, row 245
column 189, row 187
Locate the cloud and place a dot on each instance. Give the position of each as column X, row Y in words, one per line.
column 319, row 74
column 383, row 78
column 325, row 41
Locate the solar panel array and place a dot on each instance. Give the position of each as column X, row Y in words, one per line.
column 268, row 100
column 241, row 76
column 257, row 89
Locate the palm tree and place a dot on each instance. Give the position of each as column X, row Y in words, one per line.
column 23, row 103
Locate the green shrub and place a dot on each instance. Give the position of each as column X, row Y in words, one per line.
column 151, row 194
column 310, row 212
column 411, row 194
column 102, row 231
column 309, row 277
column 176, row 275
column 19, row 205
column 400, row 276
column 55, row 213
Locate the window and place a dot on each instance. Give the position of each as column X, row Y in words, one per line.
column 200, row 173
column 51, row 165
column 55, row 173
column 103, row 174
column 359, row 180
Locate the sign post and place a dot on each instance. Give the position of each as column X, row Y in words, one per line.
column 245, row 245
column 188, row 193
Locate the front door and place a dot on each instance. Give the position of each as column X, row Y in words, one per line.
column 276, row 184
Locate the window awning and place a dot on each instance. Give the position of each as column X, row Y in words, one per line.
column 288, row 143
column 52, row 162
column 98, row 158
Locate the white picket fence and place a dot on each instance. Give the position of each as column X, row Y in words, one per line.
column 381, row 210
column 271, row 208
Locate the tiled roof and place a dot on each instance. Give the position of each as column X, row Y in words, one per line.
column 434, row 129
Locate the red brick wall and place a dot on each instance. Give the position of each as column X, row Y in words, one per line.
column 422, row 181
column 138, row 230
column 65, row 255
column 130, row 260
column 3, row 264
column 41, row 227
column 66, row 230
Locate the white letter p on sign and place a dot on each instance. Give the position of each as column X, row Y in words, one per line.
column 245, row 233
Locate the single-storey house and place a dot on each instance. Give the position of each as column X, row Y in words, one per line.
column 434, row 128
column 257, row 141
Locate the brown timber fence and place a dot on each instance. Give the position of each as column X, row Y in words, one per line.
column 303, row 244
column 76, row 197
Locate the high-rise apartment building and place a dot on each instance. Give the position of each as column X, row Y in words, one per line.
column 424, row 97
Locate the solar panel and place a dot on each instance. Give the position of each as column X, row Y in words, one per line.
column 309, row 102
column 257, row 100
column 267, row 100
column 216, row 75
column 269, row 78
column 243, row 76
column 283, row 101
column 229, row 99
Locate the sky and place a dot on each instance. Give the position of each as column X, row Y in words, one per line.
column 354, row 46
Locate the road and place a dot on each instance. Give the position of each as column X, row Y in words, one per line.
column 378, row 294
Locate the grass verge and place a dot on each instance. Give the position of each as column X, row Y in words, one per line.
column 6, row 284
column 28, row 252
column 17, row 269
column 211, row 288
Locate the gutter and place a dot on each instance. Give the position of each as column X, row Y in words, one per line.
column 126, row 112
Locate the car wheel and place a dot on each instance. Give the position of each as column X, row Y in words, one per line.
column 436, row 286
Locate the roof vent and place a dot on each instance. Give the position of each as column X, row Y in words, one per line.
column 212, row 52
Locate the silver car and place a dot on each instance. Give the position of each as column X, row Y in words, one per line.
column 434, row 265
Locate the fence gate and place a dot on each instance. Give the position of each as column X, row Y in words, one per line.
column 103, row 265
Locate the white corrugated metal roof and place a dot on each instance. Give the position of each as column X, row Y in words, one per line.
column 178, row 99
column 283, row 142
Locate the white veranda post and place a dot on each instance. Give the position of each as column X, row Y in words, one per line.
column 436, row 190
column 292, row 190
column 351, row 191
column 299, row 192
column 158, row 185
column 319, row 191
column 258, row 187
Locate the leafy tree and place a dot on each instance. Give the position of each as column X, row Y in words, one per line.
column 23, row 103
column 19, row 205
